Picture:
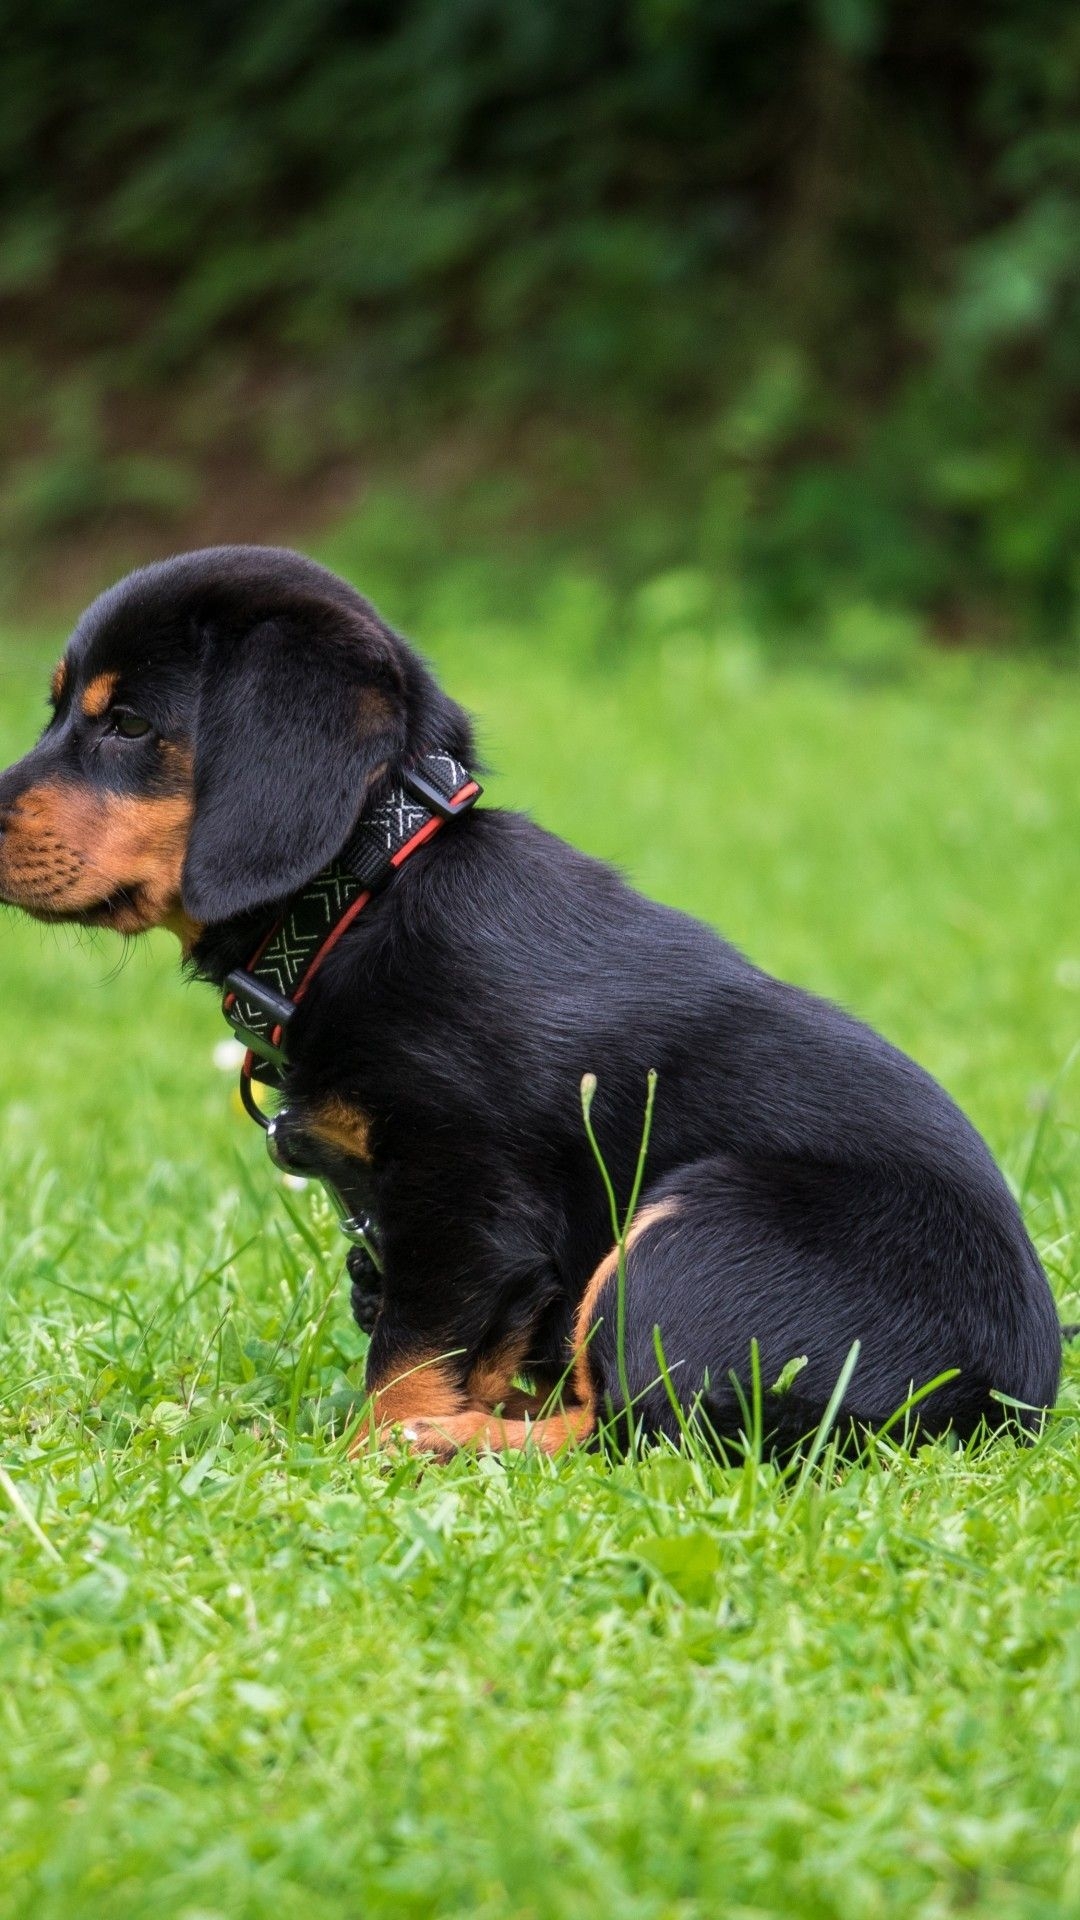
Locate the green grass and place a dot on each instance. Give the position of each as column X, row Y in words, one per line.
column 242, row 1677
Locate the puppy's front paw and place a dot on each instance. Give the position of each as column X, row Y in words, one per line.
column 427, row 1439
column 434, row 1439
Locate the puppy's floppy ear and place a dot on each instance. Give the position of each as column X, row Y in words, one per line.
column 292, row 725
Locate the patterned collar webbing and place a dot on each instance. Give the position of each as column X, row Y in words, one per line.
column 260, row 998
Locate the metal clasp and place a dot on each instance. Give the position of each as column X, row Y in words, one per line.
column 284, row 1144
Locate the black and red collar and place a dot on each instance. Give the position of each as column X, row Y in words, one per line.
column 260, row 999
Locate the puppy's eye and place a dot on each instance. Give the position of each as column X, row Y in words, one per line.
column 131, row 725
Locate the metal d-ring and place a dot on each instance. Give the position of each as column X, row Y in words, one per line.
column 282, row 1144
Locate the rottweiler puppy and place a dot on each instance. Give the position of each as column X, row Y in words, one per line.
column 222, row 724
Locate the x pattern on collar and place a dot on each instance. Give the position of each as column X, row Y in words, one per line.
column 315, row 917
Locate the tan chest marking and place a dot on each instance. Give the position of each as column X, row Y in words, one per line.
column 341, row 1126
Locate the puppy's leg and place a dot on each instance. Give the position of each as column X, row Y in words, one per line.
column 438, row 1407
column 413, row 1388
column 497, row 1433
column 469, row 1286
column 494, row 1421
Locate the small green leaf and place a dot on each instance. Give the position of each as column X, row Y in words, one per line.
column 197, row 1473
column 788, row 1374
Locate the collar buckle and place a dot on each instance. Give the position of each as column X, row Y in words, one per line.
column 258, row 1015
column 259, row 1000
column 447, row 807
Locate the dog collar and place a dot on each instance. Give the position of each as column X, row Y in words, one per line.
column 260, row 999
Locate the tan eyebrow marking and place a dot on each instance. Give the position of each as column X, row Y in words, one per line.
column 59, row 681
column 98, row 694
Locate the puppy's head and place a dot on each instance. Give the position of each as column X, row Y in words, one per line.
column 217, row 723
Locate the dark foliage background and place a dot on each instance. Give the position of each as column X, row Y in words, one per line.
column 804, row 277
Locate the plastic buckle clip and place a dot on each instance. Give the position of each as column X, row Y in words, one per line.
column 434, row 800
column 242, row 986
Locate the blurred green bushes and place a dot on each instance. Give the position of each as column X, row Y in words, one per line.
column 802, row 274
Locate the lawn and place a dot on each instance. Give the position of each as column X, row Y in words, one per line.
column 241, row 1676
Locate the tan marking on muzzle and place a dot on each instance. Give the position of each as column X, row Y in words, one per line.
column 67, row 850
column 188, row 931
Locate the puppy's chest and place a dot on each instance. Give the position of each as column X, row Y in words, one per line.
column 341, row 1125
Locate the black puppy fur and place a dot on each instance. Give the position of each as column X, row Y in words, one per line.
column 807, row 1185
